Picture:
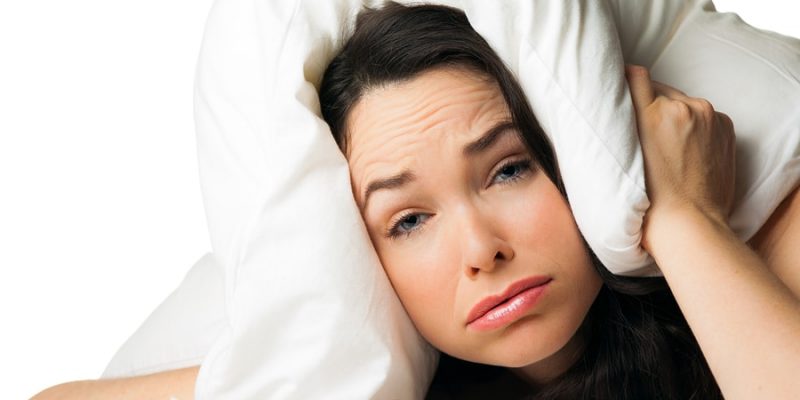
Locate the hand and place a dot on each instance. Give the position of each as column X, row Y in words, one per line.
column 689, row 151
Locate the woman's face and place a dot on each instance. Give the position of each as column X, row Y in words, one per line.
column 462, row 220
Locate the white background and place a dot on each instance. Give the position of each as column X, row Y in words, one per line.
column 100, row 207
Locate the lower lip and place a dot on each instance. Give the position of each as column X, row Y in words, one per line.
column 510, row 311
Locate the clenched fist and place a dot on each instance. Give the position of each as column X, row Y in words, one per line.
column 689, row 151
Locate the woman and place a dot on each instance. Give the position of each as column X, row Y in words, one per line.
column 461, row 195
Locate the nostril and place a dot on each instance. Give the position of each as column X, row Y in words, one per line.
column 499, row 256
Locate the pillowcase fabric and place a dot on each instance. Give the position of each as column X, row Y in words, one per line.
column 180, row 331
column 750, row 74
column 308, row 311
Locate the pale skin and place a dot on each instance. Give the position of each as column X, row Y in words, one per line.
column 474, row 224
column 168, row 385
column 743, row 308
column 470, row 223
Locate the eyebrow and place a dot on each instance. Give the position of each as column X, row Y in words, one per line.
column 488, row 139
column 392, row 182
column 475, row 147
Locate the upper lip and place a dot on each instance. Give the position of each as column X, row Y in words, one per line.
column 489, row 302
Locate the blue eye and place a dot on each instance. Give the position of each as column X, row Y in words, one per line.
column 511, row 171
column 407, row 224
column 411, row 222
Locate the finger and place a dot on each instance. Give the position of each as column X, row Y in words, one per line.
column 725, row 121
column 641, row 89
column 702, row 108
column 665, row 90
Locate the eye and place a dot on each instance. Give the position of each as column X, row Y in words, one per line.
column 406, row 224
column 511, row 171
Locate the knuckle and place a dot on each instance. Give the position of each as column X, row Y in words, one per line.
column 727, row 124
column 705, row 107
column 662, row 101
column 682, row 111
column 725, row 119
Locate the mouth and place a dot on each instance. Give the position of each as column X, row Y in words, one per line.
column 496, row 311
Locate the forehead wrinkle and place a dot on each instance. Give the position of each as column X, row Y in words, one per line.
column 392, row 131
column 424, row 107
column 389, row 131
column 417, row 110
column 377, row 164
column 476, row 117
column 486, row 109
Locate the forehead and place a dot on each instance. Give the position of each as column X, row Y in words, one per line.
column 432, row 115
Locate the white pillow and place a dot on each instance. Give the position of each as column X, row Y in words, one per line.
column 752, row 75
column 181, row 330
column 253, row 77
column 310, row 312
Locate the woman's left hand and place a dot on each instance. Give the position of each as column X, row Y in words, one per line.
column 689, row 150
column 745, row 319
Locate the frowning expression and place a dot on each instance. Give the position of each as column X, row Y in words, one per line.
column 479, row 244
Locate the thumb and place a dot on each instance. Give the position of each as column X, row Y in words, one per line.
column 640, row 85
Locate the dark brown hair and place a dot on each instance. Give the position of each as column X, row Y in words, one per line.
column 638, row 344
column 396, row 43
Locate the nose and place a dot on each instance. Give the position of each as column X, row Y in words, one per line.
column 482, row 247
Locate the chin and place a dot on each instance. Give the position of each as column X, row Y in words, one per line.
column 521, row 357
column 527, row 343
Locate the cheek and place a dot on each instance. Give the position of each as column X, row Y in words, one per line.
column 539, row 225
column 425, row 281
column 545, row 224
column 543, row 233
column 540, row 219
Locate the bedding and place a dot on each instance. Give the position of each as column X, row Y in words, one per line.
column 180, row 331
column 750, row 74
column 303, row 291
